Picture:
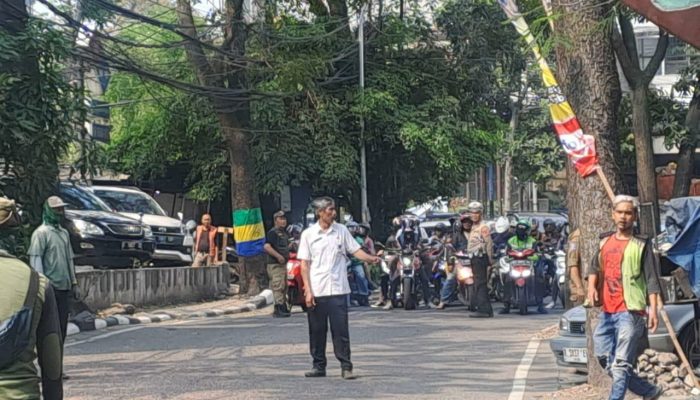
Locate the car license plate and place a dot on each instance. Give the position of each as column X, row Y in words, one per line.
column 131, row 245
column 576, row 356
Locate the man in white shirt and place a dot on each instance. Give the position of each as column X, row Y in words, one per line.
column 323, row 251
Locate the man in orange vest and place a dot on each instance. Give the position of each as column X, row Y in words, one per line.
column 205, row 249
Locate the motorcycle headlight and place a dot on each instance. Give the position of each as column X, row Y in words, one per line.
column 515, row 273
column 527, row 273
column 147, row 232
column 87, row 228
column 406, row 261
column 563, row 324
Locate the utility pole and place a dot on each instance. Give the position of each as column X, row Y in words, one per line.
column 363, row 155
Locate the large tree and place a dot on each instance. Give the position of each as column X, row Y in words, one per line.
column 38, row 110
column 639, row 77
column 586, row 69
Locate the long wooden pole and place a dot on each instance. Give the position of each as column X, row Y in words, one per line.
column 662, row 311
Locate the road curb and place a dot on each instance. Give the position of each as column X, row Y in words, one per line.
column 265, row 298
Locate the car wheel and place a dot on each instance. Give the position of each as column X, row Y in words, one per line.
column 691, row 344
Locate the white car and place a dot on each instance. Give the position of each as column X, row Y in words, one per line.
column 174, row 242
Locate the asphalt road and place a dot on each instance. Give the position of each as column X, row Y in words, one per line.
column 423, row 354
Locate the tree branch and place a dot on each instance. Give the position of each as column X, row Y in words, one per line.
column 659, row 54
column 629, row 39
column 194, row 50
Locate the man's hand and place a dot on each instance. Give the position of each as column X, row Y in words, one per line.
column 578, row 294
column 76, row 292
column 281, row 259
column 592, row 296
column 309, row 298
column 652, row 320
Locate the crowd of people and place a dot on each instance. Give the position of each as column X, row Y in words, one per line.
column 470, row 236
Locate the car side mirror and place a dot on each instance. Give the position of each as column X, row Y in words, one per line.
column 190, row 225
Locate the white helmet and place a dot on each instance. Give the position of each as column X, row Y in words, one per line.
column 475, row 206
column 502, row 224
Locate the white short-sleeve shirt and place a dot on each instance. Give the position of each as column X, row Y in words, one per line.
column 327, row 253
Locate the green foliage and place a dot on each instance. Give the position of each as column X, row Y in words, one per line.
column 667, row 119
column 155, row 127
column 38, row 113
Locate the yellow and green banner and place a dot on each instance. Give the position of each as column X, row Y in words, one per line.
column 249, row 232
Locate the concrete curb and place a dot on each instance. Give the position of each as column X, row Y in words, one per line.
column 265, row 298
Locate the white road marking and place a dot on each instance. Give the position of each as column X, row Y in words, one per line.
column 520, row 378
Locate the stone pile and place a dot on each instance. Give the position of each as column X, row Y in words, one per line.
column 664, row 369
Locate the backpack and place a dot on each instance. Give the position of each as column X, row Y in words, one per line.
column 16, row 331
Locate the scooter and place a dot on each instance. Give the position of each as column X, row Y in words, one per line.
column 465, row 278
column 522, row 272
column 295, row 284
column 499, row 273
column 408, row 265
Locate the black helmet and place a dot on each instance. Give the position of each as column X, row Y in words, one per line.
column 441, row 228
column 549, row 225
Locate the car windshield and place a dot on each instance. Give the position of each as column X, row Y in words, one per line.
column 80, row 199
column 131, row 202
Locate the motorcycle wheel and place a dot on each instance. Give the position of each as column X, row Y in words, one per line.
column 522, row 297
column 409, row 299
column 292, row 294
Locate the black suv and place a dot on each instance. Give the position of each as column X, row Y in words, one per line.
column 100, row 237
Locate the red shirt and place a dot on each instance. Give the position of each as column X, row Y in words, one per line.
column 611, row 254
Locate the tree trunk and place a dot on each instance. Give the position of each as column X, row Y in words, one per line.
column 234, row 119
column 686, row 156
column 646, row 175
column 588, row 74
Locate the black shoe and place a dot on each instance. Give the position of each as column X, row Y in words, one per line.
column 504, row 311
column 315, row 373
column 347, row 374
column 541, row 310
column 281, row 311
column 477, row 314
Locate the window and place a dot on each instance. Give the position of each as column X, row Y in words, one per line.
column 79, row 199
column 676, row 57
column 131, row 202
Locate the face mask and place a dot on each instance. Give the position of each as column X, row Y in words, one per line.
column 521, row 234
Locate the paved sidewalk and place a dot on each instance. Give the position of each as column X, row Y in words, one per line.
column 233, row 305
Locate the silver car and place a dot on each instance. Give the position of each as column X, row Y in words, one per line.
column 570, row 346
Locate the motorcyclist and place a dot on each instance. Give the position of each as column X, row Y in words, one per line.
column 501, row 235
column 368, row 243
column 550, row 239
column 357, row 267
column 552, row 235
column 459, row 243
column 522, row 241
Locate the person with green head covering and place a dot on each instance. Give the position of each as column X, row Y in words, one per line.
column 50, row 253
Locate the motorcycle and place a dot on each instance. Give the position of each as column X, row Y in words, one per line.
column 555, row 279
column 465, row 278
column 522, row 272
column 295, row 284
column 353, row 265
column 409, row 263
column 561, row 277
column 499, row 273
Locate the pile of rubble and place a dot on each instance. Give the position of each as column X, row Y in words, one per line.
column 664, row 369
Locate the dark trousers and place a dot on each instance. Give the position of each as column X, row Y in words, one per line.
column 63, row 305
column 481, row 301
column 333, row 309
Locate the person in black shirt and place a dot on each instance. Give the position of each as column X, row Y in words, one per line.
column 277, row 249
